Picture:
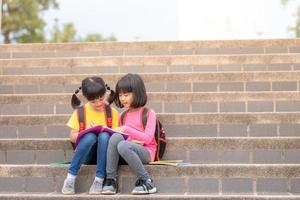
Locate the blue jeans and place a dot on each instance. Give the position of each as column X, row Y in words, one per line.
column 90, row 147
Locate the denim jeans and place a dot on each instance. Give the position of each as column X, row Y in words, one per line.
column 89, row 148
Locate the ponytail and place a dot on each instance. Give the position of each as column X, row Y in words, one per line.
column 112, row 95
column 75, row 101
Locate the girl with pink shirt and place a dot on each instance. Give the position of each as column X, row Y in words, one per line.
column 140, row 146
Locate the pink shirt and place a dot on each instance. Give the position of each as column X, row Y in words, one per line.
column 134, row 127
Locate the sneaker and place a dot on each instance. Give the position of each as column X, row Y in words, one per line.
column 110, row 186
column 144, row 187
column 96, row 187
column 68, row 187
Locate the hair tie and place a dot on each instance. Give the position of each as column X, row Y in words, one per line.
column 76, row 91
column 107, row 87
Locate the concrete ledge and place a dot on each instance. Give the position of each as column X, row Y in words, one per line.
column 64, row 98
column 183, row 143
column 167, row 118
column 153, row 45
column 223, row 179
column 227, row 150
column 83, row 196
column 121, row 61
column 206, row 170
column 154, row 78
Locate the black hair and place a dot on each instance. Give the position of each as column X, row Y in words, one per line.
column 135, row 84
column 92, row 88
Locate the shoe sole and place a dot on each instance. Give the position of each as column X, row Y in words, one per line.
column 94, row 193
column 152, row 191
column 68, row 193
column 108, row 192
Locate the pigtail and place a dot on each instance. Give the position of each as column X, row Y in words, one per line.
column 75, row 101
column 112, row 96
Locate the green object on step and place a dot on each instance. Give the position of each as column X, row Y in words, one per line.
column 60, row 163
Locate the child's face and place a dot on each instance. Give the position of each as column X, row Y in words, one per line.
column 126, row 99
column 97, row 104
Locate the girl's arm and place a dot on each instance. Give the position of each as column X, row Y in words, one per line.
column 73, row 135
column 148, row 134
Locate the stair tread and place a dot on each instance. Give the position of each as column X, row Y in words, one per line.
column 25, row 195
column 162, row 96
column 174, row 143
column 191, row 170
column 167, row 118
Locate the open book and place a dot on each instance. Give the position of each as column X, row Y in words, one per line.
column 98, row 130
column 170, row 162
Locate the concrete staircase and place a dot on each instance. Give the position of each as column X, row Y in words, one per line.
column 232, row 108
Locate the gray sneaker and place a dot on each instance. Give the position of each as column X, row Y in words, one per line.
column 69, row 186
column 144, row 187
column 110, row 187
column 96, row 187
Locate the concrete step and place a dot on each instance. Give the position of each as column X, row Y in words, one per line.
column 192, row 179
column 170, row 102
column 146, row 64
column 168, row 118
column 159, row 82
column 176, row 124
column 265, row 46
column 204, row 150
column 55, row 196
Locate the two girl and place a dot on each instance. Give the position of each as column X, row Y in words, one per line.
column 138, row 149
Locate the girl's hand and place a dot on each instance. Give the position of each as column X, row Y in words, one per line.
column 120, row 129
column 91, row 125
column 137, row 142
column 73, row 135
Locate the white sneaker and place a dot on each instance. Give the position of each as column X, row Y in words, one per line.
column 144, row 187
column 68, row 187
column 96, row 187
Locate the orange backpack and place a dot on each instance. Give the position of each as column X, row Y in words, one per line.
column 81, row 118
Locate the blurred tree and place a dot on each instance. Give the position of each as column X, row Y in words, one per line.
column 93, row 37
column 21, row 20
column 22, row 23
column 296, row 28
column 67, row 34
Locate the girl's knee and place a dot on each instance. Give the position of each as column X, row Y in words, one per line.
column 88, row 139
column 115, row 139
column 104, row 136
column 123, row 147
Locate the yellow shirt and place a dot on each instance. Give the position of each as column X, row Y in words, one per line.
column 92, row 116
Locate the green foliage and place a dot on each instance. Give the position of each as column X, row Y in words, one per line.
column 296, row 28
column 94, row 37
column 284, row 2
column 67, row 34
column 21, row 20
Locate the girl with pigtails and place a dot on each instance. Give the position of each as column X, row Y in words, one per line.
column 92, row 148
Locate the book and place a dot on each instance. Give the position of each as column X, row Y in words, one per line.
column 98, row 130
column 170, row 162
column 137, row 142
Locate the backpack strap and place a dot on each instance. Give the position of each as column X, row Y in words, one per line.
column 81, row 121
column 144, row 116
column 108, row 115
column 122, row 117
column 81, row 117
